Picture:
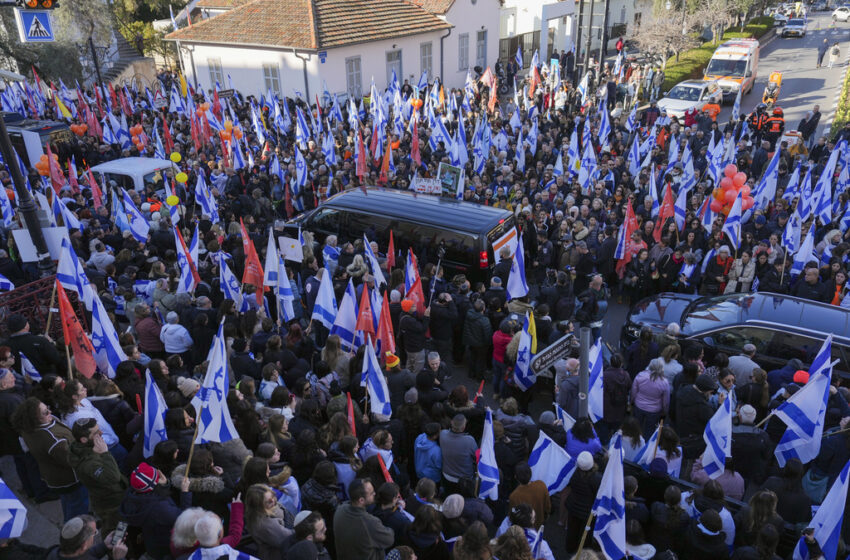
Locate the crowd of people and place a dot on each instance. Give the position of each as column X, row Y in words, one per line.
column 311, row 476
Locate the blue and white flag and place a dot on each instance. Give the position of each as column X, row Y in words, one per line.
column 302, row 130
column 270, row 272
column 214, row 422
column 567, row 421
column 718, row 440
column 68, row 217
column 13, row 513
column 104, row 338
column 488, row 469
column 71, row 274
column 27, row 368
column 647, row 454
column 595, row 396
column 186, row 281
column 139, row 226
column 155, row 408
column 230, row 286
column 221, row 551
column 766, row 188
column 375, row 382
column 632, row 120
column 324, row 309
column 558, row 170
column 828, row 520
column 806, row 252
column 518, row 57
column 8, row 213
column 285, row 297
column 551, row 464
column 736, row 108
column 524, row 376
column 300, row 170
column 345, row 322
column 804, row 412
column 732, row 225
column 517, row 286
column 373, row 262
column 609, row 509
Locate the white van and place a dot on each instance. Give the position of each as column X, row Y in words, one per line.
column 134, row 173
column 29, row 136
column 735, row 66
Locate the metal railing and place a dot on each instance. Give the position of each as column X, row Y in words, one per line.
column 33, row 301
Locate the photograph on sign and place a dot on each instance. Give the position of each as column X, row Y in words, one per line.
column 449, row 176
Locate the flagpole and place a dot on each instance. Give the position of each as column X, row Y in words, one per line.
column 50, row 310
column 192, row 447
column 766, row 418
column 68, row 356
column 655, row 449
column 584, row 534
column 784, row 261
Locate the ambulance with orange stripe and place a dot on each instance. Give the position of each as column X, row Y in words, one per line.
column 735, row 66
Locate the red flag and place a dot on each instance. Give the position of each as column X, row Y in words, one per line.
column 477, row 393
column 387, row 477
column 488, row 78
column 365, row 321
column 112, row 96
column 37, row 79
column 96, row 193
column 139, row 404
column 373, row 143
column 415, row 292
column 361, row 157
column 631, row 226
column 75, row 336
column 535, row 81
column 57, row 178
column 166, row 135
column 349, row 407
column 72, row 176
column 668, row 210
column 414, row 143
column 99, row 101
column 391, row 253
column 491, row 105
column 318, row 109
column 384, row 177
column 385, row 335
column 287, row 201
column 216, row 106
column 253, row 269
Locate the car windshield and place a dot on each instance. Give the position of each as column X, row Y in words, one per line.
column 685, row 93
column 799, row 22
column 726, row 67
column 711, row 312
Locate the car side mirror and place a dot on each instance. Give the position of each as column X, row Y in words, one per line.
column 750, row 74
column 664, row 93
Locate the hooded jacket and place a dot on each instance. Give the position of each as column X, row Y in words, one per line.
column 100, row 475
column 155, row 513
column 428, row 458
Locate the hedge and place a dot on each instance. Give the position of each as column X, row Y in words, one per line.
column 692, row 62
column 842, row 112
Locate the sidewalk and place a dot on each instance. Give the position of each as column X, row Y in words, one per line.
column 43, row 520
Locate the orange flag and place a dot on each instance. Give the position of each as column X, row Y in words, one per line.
column 96, row 193
column 384, row 177
column 75, row 336
column 57, row 178
column 387, row 477
column 414, row 142
column 365, row 322
column 668, row 210
column 361, row 157
column 494, row 95
column 253, row 269
column 350, row 409
column 391, row 253
column 385, row 328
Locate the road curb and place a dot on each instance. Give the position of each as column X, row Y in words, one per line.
column 828, row 122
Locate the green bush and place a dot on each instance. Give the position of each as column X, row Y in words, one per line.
column 692, row 62
column 842, row 112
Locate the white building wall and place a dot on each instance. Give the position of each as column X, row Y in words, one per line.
column 469, row 17
column 619, row 11
column 517, row 17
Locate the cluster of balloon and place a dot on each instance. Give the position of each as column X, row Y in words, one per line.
column 202, row 108
column 43, row 167
column 79, row 129
column 731, row 184
column 416, row 102
column 230, row 131
column 136, row 131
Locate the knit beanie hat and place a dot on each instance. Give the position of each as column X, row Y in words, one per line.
column 187, row 386
column 453, row 506
column 143, row 479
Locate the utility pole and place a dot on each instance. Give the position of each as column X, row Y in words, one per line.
column 583, row 371
column 586, row 65
column 577, row 43
column 94, row 59
column 603, row 46
column 26, row 203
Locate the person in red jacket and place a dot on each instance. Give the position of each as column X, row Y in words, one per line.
column 501, row 338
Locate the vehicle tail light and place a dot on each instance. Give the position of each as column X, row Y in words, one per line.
column 483, row 261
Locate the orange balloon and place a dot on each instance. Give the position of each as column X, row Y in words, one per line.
column 237, row 132
column 396, row 144
column 225, row 134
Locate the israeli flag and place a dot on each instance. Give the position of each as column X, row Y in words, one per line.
column 155, row 408
column 71, row 275
column 791, row 234
column 373, row 262
column 488, row 469
column 27, row 368
column 609, row 509
column 107, row 350
column 236, row 153
column 302, row 130
column 766, row 189
column 222, row 551
column 324, row 309
column 230, row 286
column 517, row 286
column 186, row 282
column 6, row 207
column 805, row 205
column 285, row 297
column 647, row 454
column 270, row 271
column 632, row 120
column 214, row 422
column 551, row 464
column 828, row 520
column 718, row 440
column 301, row 169
column 567, row 421
column 589, row 167
column 345, row 322
column 634, row 157
column 375, row 382
column 804, row 412
column 13, row 513
column 138, row 225
column 805, row 254
column 70, row 220
column 524, row 376
column 209, row 207
column 732, row 225
column 558, row 170
column 518, row 57
column 736, row 108
column 604, row 123
column 595, row 404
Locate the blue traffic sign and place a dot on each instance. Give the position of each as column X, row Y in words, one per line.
column 35, row 26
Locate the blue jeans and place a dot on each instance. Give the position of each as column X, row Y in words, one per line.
column 648, row 421
column 75, row 501
column 119, row 454
column 498, row 377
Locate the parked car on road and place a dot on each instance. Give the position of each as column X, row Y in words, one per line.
column 842, row 13
column 794, row 28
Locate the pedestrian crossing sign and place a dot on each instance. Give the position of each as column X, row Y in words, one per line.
column 34, row 26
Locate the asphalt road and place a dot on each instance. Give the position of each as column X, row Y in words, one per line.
column 803, row 85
